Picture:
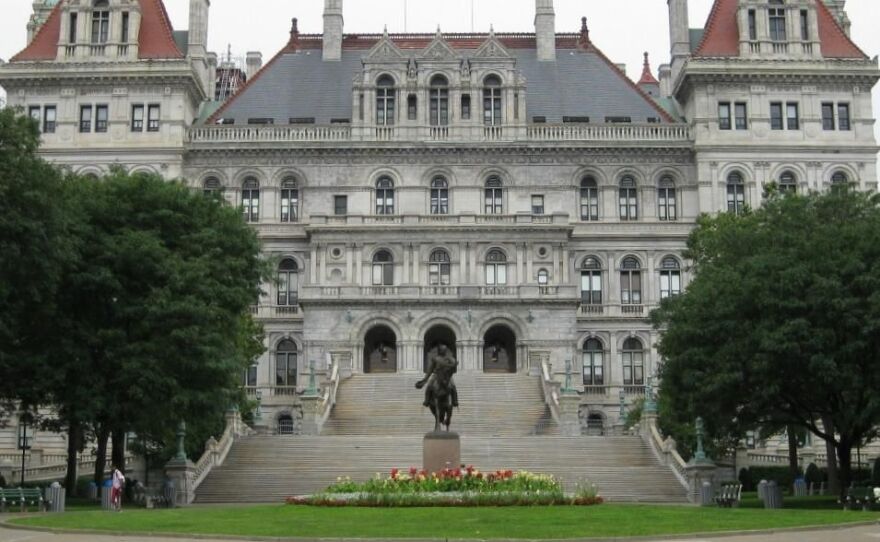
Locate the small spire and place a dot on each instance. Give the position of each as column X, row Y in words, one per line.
column 647, row 77
column 584, row 39
column 293, row 44
column 439, row 33
column 385, row 32
column 491, row 30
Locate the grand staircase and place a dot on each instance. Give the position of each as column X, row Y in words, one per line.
column 378, row 423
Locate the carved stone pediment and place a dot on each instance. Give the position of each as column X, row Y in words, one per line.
column 385, row 51
column 492, row 49
column 439, row 49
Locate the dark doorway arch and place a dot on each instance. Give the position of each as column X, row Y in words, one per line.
column 436, row 335
column 499, row 350
column 380, row 350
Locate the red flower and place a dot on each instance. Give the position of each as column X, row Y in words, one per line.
column 394, row 473
column 413, row 471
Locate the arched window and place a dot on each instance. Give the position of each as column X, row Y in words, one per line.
column 630, row 282
column 212, row 187
column 285, row 363
column 250, row 200
column 494, row 196
column 383, row 269
column 289, row 200
column 385, row 101
column 439, row 196
column 736, row 193
column 629, row 199
column 285, row 424
column 384, row 196
column 593, row 358
column 591, row 281
column 496, row 268
column 439, row 268
column 543, row 277
column 100, row 22
column 666, row 199
column 839, row 178
column 288, row 283
column 439, row 97
column 589, row 199
column 492, row 102
column 633, row 363
column 788, row 182
column 670, row 277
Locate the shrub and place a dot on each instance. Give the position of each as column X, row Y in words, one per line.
column 814, row 475
column 752, row 476
column 875, row 474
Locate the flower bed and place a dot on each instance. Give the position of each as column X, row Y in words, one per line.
column 451, row 487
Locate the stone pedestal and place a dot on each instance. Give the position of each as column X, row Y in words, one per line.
column 182, row 473
column 311, row 410
column 440, row 450
column 569, row 414
column 697, row 474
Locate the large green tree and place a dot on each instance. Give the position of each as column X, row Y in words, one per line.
column 780, row 326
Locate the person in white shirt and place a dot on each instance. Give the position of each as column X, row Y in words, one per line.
column 116, row 490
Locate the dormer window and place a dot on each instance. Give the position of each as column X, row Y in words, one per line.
column 777, row 20
column 492, row 101
column 439, row 101
column 101, row 21
column 385, row 101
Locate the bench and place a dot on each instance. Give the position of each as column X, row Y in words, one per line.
column 859, row 497
column 22, row 498
column 729, row 496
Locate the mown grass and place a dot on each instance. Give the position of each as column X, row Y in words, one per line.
column 514, row 522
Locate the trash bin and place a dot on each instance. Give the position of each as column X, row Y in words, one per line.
column 762, row 490
column 800, row 488
column 93, row 491
column 706, row 494
column 107, row 495
column 170, row 493
column 773, row 498
column 55, row 495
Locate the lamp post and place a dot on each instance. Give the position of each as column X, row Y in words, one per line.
column 24, row 443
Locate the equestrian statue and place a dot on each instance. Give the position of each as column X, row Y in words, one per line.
column 441, row 395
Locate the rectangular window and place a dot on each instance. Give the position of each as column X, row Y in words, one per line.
column 516, row 106
column 537, row 205
column 137, row 118
column 85, row 119
column 412, row 107
column 153, row 118
column 100, row 26
column 360, row 106
column 124, row 27
column 49, row 118
column 102, row 114
column 724, row 116
column 753, row 25
column 792, row 117
column 741, row 116
column 805, row 25
column 466, row 107
column 34, row 112
column 776, row 116
column 250, row 377
column 777, row 24
column 340, row 205
column 843, row 117
column 827, row 116
column 71, row 32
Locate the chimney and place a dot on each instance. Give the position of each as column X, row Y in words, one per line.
column 333, row 23
column 198, row 28
column 253, row 63
column 545, row 29
column 679, row 35
column 212, row 76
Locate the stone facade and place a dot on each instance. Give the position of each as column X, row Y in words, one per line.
column 521, row 236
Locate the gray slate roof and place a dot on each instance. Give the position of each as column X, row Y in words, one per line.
column 301, row 85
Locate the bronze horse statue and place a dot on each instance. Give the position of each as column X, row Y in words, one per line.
column 441, row 395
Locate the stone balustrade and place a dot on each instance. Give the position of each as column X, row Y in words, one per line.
column 372, row 294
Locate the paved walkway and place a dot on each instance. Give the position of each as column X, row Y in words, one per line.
column 855, row 534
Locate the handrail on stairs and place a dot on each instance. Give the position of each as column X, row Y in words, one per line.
column 666, row 450
column 217, row 450
column 551, row 390
column 329, row 398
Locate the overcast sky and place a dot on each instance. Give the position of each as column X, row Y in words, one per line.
column 623, row 29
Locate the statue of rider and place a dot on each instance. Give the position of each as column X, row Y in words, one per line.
column 440, row 359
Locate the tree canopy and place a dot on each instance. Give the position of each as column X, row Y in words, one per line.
column 780, row 325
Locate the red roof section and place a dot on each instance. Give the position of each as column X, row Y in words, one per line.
column 463, row 41
column 155, row 40
column 647, row 77
column 721, row 36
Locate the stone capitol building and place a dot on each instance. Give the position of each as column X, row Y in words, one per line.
column 512, row 195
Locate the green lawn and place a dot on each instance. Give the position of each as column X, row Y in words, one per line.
column 514, row 522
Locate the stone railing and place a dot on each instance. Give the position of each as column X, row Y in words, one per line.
column 372, row 293
column 217, row 450
column 328, row 401
column 615, row 311
column 551, row 389
column 276, row 312
column 523, row 219
column 666, row 450
column 605, row 134
column 56, row 471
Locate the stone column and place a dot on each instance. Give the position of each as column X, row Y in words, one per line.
column 359, row 264
column 417, row 256
column 564, row 279
column 322, row 264
column 530, row 271
column 462, row 263
column 349, row 261
column 407, row 248
column 313, row 265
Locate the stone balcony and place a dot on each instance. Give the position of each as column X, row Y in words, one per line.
column 435, row 294
column 600, row 134
column 277, row 312
column 614, row 310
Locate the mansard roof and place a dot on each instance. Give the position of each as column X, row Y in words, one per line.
column 581, row 82
column 721, row 36
column 155, row 39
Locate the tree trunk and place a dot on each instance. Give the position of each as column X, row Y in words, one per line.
column 118, row 452
column 103, row 435
column 831, row 453
column 73, row 439
column 844, row 455
column 793, row 451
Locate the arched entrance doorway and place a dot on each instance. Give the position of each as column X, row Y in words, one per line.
column 499, row 350
column 436, row 335
column 380, row 350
